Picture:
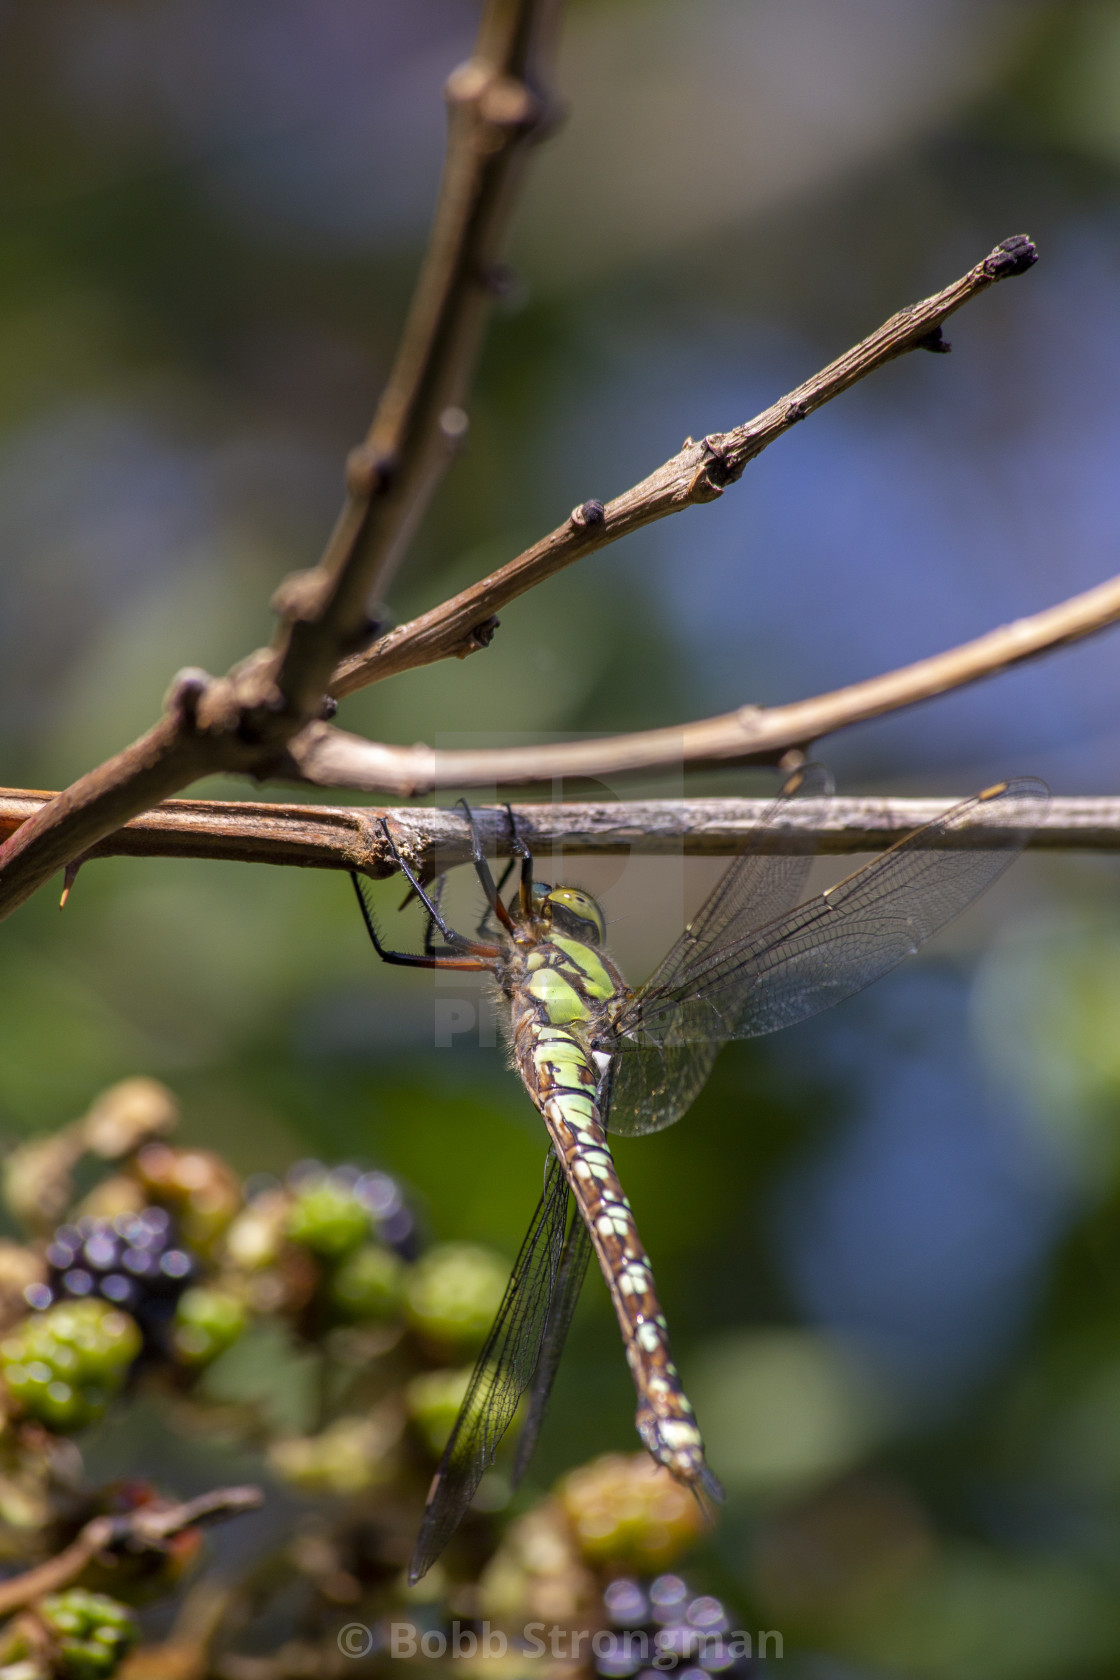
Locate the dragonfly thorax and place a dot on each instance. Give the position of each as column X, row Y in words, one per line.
column 570, row 910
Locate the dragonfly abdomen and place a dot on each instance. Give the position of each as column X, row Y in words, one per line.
column 561, row 1077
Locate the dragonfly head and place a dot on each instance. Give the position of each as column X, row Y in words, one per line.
column 571, row 911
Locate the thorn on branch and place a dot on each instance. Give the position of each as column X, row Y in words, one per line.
column 368, row 470
column 187, row 688
column 714, row 473
column 588, row 513
column 479, row 636
column 934, row 342
column 1011, row 256
column 372, row 627
column 69, row 876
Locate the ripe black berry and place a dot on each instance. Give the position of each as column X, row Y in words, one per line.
column 134, row 1262
column 662, row 1623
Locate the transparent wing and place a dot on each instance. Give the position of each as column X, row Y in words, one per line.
column 505, row 1369
column 650, row 1086
column 813, row 956
column 653, row 1085
column 757, row 887
column 569, row 1282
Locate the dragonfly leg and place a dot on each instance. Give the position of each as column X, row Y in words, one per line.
column 471, row 956
column 519, row 849
column 430, row 929
column 483, row 871
column 484, row 926
column 457, row 941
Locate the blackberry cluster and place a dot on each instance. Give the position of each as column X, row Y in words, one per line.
column 134, row 1262
column 661, row 1619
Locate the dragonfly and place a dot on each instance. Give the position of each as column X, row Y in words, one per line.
column 596, row 1056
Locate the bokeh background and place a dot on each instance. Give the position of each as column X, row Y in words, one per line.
column 889, row 1241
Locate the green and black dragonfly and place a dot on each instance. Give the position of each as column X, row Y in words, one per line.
column 596, row 1056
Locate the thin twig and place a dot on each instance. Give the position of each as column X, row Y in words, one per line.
column 148, row 1526
column 332, row 837
column 242, row 723
column 330, row 757
column 700, row 472
column 496, row 108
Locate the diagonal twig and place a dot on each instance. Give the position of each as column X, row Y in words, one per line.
column 751, row 734
column 699, row 472
column 147, row 1526
column 321, row 836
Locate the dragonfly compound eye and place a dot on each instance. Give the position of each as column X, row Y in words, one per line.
column 576, row 913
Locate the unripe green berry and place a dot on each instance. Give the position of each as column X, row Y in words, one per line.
column 92, row 1633
column 625, row 1512
column 453, row 1293
column 368, row 1284
column 351, row 1456
column 328, row 1218
column 207, row 1322
column 433, row 1400
column 64, row 1365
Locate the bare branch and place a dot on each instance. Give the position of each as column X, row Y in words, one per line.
column 700, row 472
column 244, row 721
column 168, row 757
column 752, row 734
column 496, row 107
column 147, row 1526
column 332, row 837
column 241, row 831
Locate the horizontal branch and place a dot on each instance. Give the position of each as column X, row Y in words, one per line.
column 331, row 837
column 330, row 757
column 699, row 472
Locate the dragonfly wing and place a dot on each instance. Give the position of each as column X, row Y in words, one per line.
column 758, row 886
column 569, row 1282
column 506, row 1367
column 652, row 1085
column 836, row 944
